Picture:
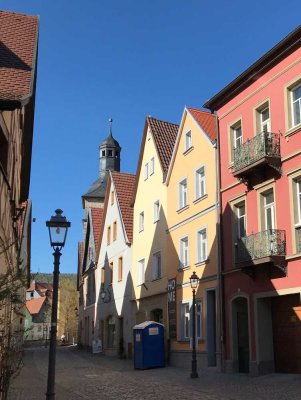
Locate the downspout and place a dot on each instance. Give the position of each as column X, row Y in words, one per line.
column 220, row 283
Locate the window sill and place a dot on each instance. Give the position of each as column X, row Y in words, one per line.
column 188, row 340
column 183, row 268
column 203, row 262
column 157, row 220
column 196, row 201
column 231, row 165
column 141, row 230
column 182, row 209
column 157, row 279
column 293, row 130
column 292, row 257
column 188, row 150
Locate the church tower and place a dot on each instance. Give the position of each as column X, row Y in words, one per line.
column 109, row 159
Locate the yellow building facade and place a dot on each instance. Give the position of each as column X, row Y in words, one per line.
column 149, row 253
column 192, row 245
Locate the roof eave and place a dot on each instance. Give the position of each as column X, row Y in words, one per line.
column 286, row 46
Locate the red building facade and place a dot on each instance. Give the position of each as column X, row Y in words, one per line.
column 260, row 179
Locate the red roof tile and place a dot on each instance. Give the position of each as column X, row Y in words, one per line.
column 97, row 215
column 164, row 134
column 206, row 120
column 34, row 305
column 18, row 48
column 124, row 185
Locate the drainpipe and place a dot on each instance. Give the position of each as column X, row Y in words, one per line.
column 220, row 283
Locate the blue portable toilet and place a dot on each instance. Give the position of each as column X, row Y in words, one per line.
column 149, row 345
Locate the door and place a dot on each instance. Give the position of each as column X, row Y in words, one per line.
column 286, row 315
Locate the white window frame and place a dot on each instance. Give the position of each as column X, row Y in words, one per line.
column 237, row 140
column 157, row 266
column 141, row 272
column 240, row 216
column 184, row 252
column 146, row 171
column 202, row 244
column 152, row 166
column 186, row 320
column 269, row 206
column 141, row 221
column 200, row 182
column 298, row 195
column 265, row 125
column 188, row 141
column 293, row 104
column 156, row 211
column 183, row 193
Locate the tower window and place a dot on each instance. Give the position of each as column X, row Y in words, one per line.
column 110, row 153
column 103, row 153
column 116, row 153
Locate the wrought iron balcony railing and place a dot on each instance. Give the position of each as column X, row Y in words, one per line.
column 265, row 144
column 298, row 239
column 269, row 243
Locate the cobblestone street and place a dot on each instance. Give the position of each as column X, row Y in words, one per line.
column 82, row 375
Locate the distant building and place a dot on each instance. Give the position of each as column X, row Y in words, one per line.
column 109, row 160
column 38, row 311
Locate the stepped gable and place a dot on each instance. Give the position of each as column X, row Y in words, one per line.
column 124, row 185
column 18, row 49
column 207, row 121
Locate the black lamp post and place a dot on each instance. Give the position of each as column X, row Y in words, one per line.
column 194, row 281
column 58, row 228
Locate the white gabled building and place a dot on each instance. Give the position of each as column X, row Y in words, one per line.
column 113, row 279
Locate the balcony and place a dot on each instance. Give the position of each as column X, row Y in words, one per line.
column 266, row 247
column 251, row 157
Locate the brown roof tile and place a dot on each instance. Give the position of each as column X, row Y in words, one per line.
column 97, row 215
column 124, row 185
column 18, row 47
column 206, row 120
column 164, row 134
column 34, row 305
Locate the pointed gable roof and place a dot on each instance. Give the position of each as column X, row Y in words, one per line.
column 164, row 134
column 207, row 123
column 124, row 185
column 18, row 51
column 34, row 306
column 206, row 120
column 96, row 215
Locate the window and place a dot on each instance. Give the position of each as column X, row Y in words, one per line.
column 146, row 171
column 264, row 120
column 110, row 153
column 108, row 235
column 141, row 272
column 184, row 252
column 240, row 228
column 103, row 153
column 296, row 105
column 114, row 230
column 183, row 198
column 152, row 166
column 236, row 137
column 112, row 197
column 111, row 272
column 200, row 183
column 156, row 211
column 268, row 210
column 186, row 320
column 102, row 275
column 3, row 151
column 188, row 141
column 141, row 221
column 120, row 268
column 157, row 273
column 202, row 245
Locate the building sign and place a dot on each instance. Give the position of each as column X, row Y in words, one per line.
column 172, row 307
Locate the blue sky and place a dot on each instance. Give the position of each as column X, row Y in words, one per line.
column 127, row 59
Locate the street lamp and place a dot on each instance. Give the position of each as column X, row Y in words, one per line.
column 194, row 281
column 58, row 228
